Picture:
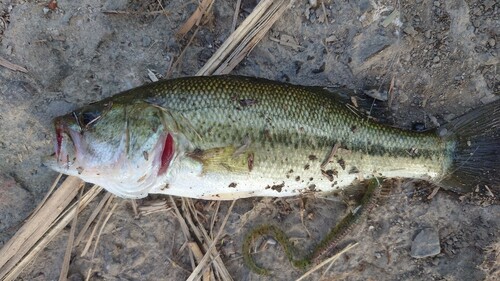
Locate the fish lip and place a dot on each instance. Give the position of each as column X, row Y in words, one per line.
column 64, row 135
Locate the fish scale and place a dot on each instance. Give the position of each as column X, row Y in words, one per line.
column 288, row 124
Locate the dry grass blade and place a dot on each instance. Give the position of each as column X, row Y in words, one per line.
column 29, row 234
column 55, row 228
column 329, row 260
column 198, row 255
column 235, row 16
column 102, row 228
column 153, row 207
column 71, row 238
column 92, row 234
column 184, row 228
column 195, row 18
column 201, row 234
column 92, row 218
column 252, row 38
column 330, row 155
column 207, row 256
column 12, row 66
column 152, row 13
column 267, row 11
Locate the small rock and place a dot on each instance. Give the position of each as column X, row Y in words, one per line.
column 410, row 30
column 313, row 3
column 491, row 42
column 45, row 10
column 489, row 4
column 449, row 117
column 436, row 59
column 489, row 98
column 307, row 12
column 425, row 244
column 377, row 94
column 146, row 41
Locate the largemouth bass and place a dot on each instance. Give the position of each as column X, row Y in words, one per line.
column 227, row 137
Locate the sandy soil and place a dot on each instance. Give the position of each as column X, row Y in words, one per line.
column 442, row 57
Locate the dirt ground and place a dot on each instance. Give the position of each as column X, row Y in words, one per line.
column 441, row 56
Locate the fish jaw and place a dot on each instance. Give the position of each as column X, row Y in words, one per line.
column 67, row 144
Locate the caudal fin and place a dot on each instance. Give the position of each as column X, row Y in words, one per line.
column 476, row 154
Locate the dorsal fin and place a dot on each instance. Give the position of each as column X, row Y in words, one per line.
column 356, row 101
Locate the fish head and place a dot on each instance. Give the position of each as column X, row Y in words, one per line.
column 125, row 148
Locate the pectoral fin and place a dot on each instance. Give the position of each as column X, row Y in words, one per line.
column 221, row 159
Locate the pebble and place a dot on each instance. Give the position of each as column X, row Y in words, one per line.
column 313, row 3
column 410, row 31
column 425, row 244
column 376, row 94
column 146, row 41
column 491, row 42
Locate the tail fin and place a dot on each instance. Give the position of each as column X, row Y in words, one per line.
column 476, row 155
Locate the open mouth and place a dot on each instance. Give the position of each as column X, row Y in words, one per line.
column 65, row 143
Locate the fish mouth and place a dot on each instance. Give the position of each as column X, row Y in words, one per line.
column 66, row 144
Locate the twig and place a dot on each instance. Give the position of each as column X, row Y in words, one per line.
column 12, row 66
column 433, row 193
column 330, row 156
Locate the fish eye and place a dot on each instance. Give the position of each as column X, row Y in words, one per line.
column 89, row 117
